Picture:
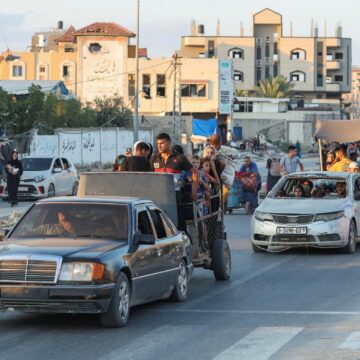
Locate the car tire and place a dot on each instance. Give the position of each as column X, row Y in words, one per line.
column 51, row 190
column 180, row 291
column 221, row 260
column 258, row 248
column 119, row 310
column 75, row 188
column 350, row 248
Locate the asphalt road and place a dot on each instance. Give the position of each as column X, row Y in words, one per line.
column 294, row 305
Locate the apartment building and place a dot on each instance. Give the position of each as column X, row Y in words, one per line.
column 319, row 66
column 352, row 100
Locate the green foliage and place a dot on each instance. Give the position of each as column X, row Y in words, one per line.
column 47, row 112
column 277, row 87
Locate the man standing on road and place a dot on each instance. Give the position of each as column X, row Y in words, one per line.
column 289, row 163
column 138, row 161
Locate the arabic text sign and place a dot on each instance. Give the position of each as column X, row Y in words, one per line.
column 226, row 87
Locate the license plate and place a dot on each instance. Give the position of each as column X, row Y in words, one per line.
column 280, row 230
column 22, row 188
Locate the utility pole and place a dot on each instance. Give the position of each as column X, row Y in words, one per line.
column 177, row 115
column 137, row 93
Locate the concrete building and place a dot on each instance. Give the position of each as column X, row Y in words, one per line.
column 352, row 100
column 319, row 66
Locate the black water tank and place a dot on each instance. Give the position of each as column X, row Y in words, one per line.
column 60, row 25
column 201, row 29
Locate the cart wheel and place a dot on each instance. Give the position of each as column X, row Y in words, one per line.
column 221, row 260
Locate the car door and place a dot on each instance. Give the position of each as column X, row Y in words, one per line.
column 68, row 176
column 57, row 176
column 356, row 195
column 145, row 261
column 169, row 247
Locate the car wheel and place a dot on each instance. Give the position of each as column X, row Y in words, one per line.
column 119, row 310
column 221, row 260
column 75, row 188
column 350, row 248
column 180, row 291
column 51, row 190
column 258, row 248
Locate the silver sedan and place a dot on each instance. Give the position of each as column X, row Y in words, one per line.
column 317, row 209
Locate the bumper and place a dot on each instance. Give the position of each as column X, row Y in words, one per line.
column 56, row 299
column 32, row 193
column 331, row 234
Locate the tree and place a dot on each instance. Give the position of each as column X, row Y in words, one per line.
column 277, row 87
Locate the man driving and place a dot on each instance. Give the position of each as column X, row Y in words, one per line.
column 63, row 227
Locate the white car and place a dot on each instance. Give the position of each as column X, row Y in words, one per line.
column 45, row 177
column 326, row 216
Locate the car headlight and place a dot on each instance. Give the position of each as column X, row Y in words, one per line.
column 262, row 216
column 40, row 178
column 329, row 216
column 81, row 272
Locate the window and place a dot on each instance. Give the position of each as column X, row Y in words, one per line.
column 193, row 90
column 338, row 56
column 339, row 78
column 160, row 85
column 69, row 49
column 42, row 69
column 267, row 71
column 276, row 48
column 267, row 50
column 158, row 223
column 258, row 52
column 238, row 76
column 146, row 88
column 329, row 57
column 94, row 48
column 298, row 54
column 267, row 39
column 17, row 71
column 211, row 48
column 258, row 74
column 144, row 225
column 298, row 76
column 244, row 106
column 131, row 84
column 320, row 53
column 276, row 69
column 65, row 70
column 236, row 53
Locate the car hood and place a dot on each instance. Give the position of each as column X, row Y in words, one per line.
column 302, row 206
column 27, row 175
column 65, row 247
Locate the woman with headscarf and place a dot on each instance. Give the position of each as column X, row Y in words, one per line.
column 14, row 170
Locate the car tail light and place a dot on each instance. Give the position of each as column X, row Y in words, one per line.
column 41, row 190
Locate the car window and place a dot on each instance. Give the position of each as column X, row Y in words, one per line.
column 169, row 226
column 75, row 220
column 65, row 163
column 357, row 187
column 36, row 164
column 143, row 223
column 58, row 164
column 158, row 223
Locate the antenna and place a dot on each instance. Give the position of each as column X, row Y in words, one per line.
column 218, row 29
column 312, row 28
column 325, row 28
column 241, row 28
column 291, row 29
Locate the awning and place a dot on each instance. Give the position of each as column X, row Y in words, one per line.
column 338, row 130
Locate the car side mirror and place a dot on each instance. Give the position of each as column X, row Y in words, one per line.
column 262, row 195
column 3, row 234
column 144, row 239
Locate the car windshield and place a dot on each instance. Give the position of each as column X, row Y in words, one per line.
column 315, row 188
column 85, row 220
column 36, row 164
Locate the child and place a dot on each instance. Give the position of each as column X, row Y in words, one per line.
column 203, row 190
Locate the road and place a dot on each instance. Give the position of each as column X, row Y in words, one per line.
column 294, row 305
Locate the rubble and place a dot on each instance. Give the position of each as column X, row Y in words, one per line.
column 11, row 220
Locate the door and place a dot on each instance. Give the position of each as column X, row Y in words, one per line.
column 58, row 177
column 68, row 176
column 168, row 245
column 237, row 133
column 145, row 261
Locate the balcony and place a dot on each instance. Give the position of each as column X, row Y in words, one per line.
column 333, row 65
column 196, row 41
column 332, row 87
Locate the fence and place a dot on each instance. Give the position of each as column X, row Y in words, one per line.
column 85, row 147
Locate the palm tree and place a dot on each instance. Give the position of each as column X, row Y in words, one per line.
column 277, row 87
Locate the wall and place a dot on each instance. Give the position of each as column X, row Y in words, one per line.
column 88, row 146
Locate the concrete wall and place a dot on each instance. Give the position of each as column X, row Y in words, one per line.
column 87, row 147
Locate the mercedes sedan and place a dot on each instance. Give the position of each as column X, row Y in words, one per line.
column 317, row 209
column 96, row 255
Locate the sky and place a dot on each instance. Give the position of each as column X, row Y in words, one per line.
column 163, row 22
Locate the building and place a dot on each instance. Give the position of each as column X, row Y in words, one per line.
column 319, row 66
column 352, row 100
